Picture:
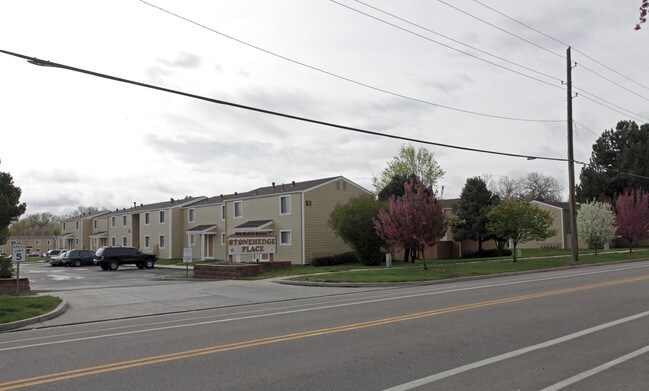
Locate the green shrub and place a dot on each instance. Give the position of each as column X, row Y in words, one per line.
column 338, row 259
column 6, row 268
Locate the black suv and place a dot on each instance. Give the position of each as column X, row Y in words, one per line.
column 109, row 258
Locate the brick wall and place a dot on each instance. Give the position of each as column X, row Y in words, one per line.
column 8, row 286
column 237, row 270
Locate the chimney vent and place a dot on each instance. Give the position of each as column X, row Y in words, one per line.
column 273, row 185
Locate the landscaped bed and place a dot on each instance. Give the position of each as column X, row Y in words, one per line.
column 13, row 308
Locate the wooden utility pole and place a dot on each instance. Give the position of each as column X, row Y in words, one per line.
column 571, row 166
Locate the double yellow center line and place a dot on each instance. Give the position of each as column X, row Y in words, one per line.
column 55, row 377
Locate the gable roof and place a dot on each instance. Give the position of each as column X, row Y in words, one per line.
column 172, row 203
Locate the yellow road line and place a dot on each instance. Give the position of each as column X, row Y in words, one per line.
column 55, row 377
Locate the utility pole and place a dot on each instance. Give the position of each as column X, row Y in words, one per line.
column 571, row 166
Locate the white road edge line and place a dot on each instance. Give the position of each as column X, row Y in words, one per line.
column 596, row 370
column 465, row 368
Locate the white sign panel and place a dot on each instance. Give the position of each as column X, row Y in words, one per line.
column 239, row 245
column 18, row 252
column 187, row 254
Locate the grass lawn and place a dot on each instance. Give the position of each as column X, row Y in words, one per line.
column 450, row 268
column 180, row 262
column 14, row 308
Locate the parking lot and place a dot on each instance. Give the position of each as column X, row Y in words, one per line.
column 46, row 278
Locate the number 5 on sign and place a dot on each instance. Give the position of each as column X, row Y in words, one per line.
column 18, row 252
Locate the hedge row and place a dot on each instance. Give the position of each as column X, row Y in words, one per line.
column 337, row 259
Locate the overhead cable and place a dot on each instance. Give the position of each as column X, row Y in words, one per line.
column 44, row 63
column 347, row 79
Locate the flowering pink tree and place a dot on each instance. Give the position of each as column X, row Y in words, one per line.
column 632, row 218
column 644, row 7
column 414, row 220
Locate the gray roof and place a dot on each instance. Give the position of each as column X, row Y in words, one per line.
column 201, row 228
column 172, row 203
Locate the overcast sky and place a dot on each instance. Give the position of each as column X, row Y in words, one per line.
column 71, row 139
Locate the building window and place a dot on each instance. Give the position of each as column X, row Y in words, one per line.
column 49, row 242
column 124, row 221
column 238, row 209
column 112, row 221
column 223, row 239
column 94, row 223
column 112, row 241
column 223, row 212
column 191, row 239
column 285, row 205
column 94, row 242
column 147, row 241
column 147, row 218
column 38, row 242
column 285, row 238
column 162, row 216
column 64, row 226
column 191, row 215
column 76, row 225
column 76, row 242
column 124, row 241
column 161, row 241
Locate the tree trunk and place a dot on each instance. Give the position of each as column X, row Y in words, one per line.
column 406, row 253
column 480, row 246
column 423, row 257
column 514, row 254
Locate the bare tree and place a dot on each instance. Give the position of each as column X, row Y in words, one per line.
column 533, row 186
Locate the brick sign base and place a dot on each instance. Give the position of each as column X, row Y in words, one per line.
column 8, row 286
column 236, row 270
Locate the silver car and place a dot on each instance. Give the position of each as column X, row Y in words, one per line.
column 57, row 259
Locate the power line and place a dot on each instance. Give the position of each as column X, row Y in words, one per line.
column 347, row 79
column 613, row 82
column 501, row 29
column 563, row 43
column 583, row 126
column 585, row 94
column 450, row 47
column 36, row 61
column 453, row 40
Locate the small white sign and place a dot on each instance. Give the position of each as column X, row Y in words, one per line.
column 240, row 245
column 187, row 254
column 18, row 252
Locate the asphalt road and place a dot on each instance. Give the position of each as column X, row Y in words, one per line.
column 578, row 329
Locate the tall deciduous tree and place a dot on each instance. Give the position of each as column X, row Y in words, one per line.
column 632, row 215
column 644, row 7
column 36, row 224
column 596, row 223
column 414, row 221
column 471, row 212
column 520, row 222
column 533, row 186
column 10, row 206
column 615, row 154
column 353, row 223
column 410, row 161
column 83, row 211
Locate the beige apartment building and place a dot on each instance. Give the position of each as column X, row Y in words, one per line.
column 560, row 212
column 153, row 227
column 281, row 222
column 33, row 244
column 76, row 231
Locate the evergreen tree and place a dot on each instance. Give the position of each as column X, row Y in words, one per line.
column 471, row 212
column 10, row 206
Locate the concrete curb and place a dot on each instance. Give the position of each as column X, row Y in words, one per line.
column 37, row 319
column 287, row 281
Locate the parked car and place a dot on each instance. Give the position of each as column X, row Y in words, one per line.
column 110, row 258
column 53, row 253
column 4, row 255
column 78, row 258
column 34, row 254
column 57, row 260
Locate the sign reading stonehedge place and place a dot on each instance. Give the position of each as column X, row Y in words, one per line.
column 240, row 245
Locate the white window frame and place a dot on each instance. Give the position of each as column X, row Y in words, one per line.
column 290, row 238
column 76, row 241
column 223, row 212
column 124, row 241
column 192, row 240
column 124, row 221
column 63, row 226
column 112, row 241
column 161, row 216
column 112, row 221
column 147, row 218
column 191, row 215
column 222, row 238
column 76, row 225
column 288, row 205
column 147, row 241
column 38, row 242
column 234, row 210
column 161, row 241
column 94, row 223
